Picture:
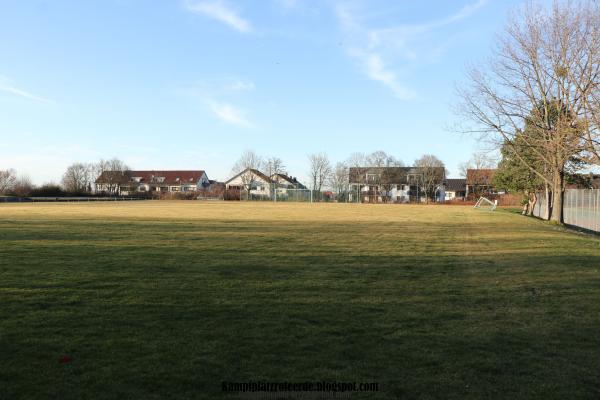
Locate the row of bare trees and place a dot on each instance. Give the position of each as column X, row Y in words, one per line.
column 13, row 184
column 323, row 175
column 79, row 178
column 538, row 97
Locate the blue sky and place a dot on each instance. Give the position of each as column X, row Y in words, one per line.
column 191, row 84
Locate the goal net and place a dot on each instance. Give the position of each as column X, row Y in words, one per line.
column 300, row 195
column 486, row 204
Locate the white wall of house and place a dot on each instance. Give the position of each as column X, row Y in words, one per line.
column 399, row 193
column 159, row 187
column 260, row 186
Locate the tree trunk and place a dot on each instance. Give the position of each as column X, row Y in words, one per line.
column 532, row 202
column 548, row 201
column 558, row 194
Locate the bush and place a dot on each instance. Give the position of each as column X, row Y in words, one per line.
column 176, row 195
column 48, row 190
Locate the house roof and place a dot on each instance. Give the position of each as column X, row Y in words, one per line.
column 394, row 175
column 176, row 177
column 253, row 171
column 456, row 185
column 289, row 179
column 114, row 177
column 482, row 176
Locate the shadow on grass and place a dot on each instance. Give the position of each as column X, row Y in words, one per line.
column 426, row 310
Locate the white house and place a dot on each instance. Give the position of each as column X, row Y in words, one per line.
column 393, row 184
column 252, row 182
column 128, row 182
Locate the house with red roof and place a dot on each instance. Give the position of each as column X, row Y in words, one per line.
column 129, row 182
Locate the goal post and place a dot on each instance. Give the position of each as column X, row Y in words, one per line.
column 486, row 203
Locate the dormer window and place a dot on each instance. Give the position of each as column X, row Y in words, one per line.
column 372, row 177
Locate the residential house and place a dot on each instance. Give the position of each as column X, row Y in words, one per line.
column 258, row 185
column 251, row 182
column 583, row 181
column 283, row 181
column 287, row 186
column 393, row 184
column 455, row 189
column 480, row 182
column 130, row 182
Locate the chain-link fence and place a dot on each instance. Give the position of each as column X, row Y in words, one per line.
column 540, row 208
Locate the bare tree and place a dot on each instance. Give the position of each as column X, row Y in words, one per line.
column 112, row 174
column 320, row 170
column 22, row 186
column 248, row 164
column 584, row 73
column 339, row 180
column 274, row 165
column 432, row 173
column 381, row 159
column 78, row 178
column 387, row 181
column 377, row 159
column 357, row 160
column 479, row 160
column 543, row 77
column 7, row 180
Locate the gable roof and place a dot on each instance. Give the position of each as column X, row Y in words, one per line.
column 288, row 179
column 114, row 177
column 176, row 177
column 456, row 185
column 393, row 175
column 254, row 171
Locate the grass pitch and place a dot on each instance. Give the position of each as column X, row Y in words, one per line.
column 157, row 300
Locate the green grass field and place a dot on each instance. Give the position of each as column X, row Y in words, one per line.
column 165, row 300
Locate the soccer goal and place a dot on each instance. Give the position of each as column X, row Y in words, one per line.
column 295, row 195
column 486, row 203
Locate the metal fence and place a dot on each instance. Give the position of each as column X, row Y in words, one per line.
column 581, row 208
column 540, row 208
column 67, row 199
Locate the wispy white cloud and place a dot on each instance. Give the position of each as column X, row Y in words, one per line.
column 7, row 87
column 402, row 34
column 384, row 52
column 221, row 11
column 229, row 114
column 377, row 70
column 216, row 97
column 240, row 86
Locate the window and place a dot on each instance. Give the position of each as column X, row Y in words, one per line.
column 372, row 177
